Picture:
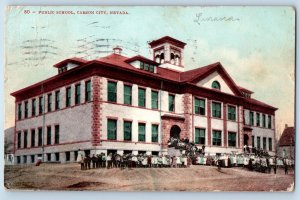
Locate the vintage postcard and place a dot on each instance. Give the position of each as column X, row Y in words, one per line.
column 149, row 98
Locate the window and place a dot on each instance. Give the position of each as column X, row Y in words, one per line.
column 111, row 129
column 200, row 136
column 231, row 139
column 19, row 111
column 258, row 142
column 88, row 91
column 68, row 156
column 112, row 91
column 141, row 65
column 151, row 68
column 270, row 144
column 217, row 140
column 49, row 102
column 56, row 139
column 171, row 102
column 253, row 141
column 127, row 94
column 57, row 100
column 18, row 159
column 41, row 105
column 199, row 106
column 68, row 97
column 142, row 132
column 264, row 121
column 154, row 99
column 19, row 140
column 33, row 107
column 32, row 158
column 142, row 97
column 75, row 154
column 154, row 137
column 216, row 85
column 24, row 159
column 264, row 143
column 48, row 157
column 216, row 109
column 127, row 130
column 231, row 113
column 146, row 66
column 257, row 119
column 48, row 135
column 251, row 116
column 56, row 157
column 40, row 136
column 25, row 139
column 32, row 138
column 26, row 109
column 269, row 121
column 77, row 94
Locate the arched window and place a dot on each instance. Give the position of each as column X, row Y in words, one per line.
column 216, row 85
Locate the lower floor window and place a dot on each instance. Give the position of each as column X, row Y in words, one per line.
column 217, row 140
column 32, row 158
column 18, row 159
column 231, row 139
column 56, row 156
column 68, row 156
column 200, row 136
column 154, row 137
column 48, row 157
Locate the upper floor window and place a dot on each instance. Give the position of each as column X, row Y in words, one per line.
column 32, row 138
column 40, row 136
column 216, row 109
column 112, row 91
column 26, row 109
column 33, row 107
column 19, row 111
column 142, row 97
column 127, row 94
column 199, row 106
column 41, row 105
column 251, row 116
column 147, row 67
column 257, row 119
column 171, row 102
column 216, row 138
column 231, row 113
column 25, row 139
column 270, row 144
column 154, row 99
column 264, row 121
column 216, row 85
column 231, row 139
column 48, row 135
column 88, row 90
column 57, row 100
column 269, row 121
column 68, row 97
column 142, row 132
column 154, row 137
column 77, row 94
column 50, row 102
column 19, row 140
column 56, row 136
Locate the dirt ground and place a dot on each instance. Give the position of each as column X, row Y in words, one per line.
column 196, row 178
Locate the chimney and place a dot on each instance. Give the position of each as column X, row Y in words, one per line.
column 117, row 50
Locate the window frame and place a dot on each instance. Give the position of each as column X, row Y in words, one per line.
column 216, row 85
column 231, row 112
column 77, row 94
column 88, row 91
column 49, row 102
column 154, row 136
column 141, row 132
column 56, row 134
column 214, row 111
column 68, row 97
column 49, row 135
column 127, row 131
column 171, row 102
column 198, row 109
column 153, row 100
column 217, row 140
column 200, row 139
column 33, row 107
column 230, row 139
column 127, row 94
column 112, row 91
column 109, row 129
column 32, row 142
column 141, row 99
column 26, row 109
column 57, row 100
column 19, row 111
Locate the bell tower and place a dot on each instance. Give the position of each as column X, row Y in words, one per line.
column 168, row 52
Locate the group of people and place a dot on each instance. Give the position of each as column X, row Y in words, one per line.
column 114, row 160
column 253, row 162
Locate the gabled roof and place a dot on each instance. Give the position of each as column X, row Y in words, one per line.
column 259, row 103
column 168, row 39
column 288, row 137
column 141, row 58
column 74, row 60
column 198, row 74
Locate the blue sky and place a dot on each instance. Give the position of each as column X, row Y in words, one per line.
column 257, row 49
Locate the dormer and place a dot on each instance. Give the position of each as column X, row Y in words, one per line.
column 143, row 63
column 68, row 64
column 246, row 93
column 168, row 52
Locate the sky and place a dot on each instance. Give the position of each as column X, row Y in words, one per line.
column 256, row 45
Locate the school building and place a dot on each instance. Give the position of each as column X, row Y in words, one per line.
column 135, row 104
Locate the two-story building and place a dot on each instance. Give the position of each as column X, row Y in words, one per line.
column 135, row 104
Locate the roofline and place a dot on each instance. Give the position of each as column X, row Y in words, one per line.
column 169, row 39
column 141, row 58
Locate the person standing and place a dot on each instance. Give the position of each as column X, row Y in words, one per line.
column 285, row 166
column 94, row 160
column 275, row 165
column 109, row 160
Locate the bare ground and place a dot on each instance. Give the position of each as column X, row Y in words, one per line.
column 196, row 178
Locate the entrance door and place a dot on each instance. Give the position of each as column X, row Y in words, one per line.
column 175, row 132
column 246, row 139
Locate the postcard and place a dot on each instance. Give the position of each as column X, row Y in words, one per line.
column 137, row 98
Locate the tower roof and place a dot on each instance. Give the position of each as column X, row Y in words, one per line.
column 168, row 39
